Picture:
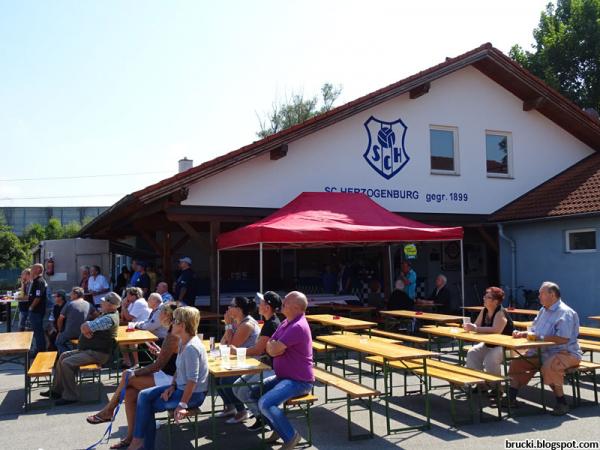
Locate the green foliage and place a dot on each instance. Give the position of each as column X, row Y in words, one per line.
column 297, row 109
column 567, row 50
column 54, row 229
column 33, row 234
column 71, row 229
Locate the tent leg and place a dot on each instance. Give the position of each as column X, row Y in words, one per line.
column 261, row 267
column 389, row 248
column 462, row 273
column 218, row 307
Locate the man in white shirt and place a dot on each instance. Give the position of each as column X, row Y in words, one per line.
column 97, row 285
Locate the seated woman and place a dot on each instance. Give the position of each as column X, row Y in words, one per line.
column 492, row 319
column 241, row 330
column 270, row 302
column 189, row 386
column 159, row 373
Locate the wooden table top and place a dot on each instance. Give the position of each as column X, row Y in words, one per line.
column 18, row 342
column 525, row 312
column 501, row 340
column 583, row 331
column 252, row 366
column 432, row 317
column 134, row 337
column 209, row 315
column 343, row 323
column 372, row 346
column 594, row 317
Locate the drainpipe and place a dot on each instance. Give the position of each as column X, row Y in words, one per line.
column 513, row 258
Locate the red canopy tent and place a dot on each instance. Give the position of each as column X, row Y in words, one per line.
column 319, row 219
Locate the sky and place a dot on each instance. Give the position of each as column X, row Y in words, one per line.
column 101, row 98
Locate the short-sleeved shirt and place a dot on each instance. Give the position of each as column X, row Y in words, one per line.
column 185, row 280
column 296, row 362
column 143, row 281
column 192, row 365
column 558, row 320
column 98, row 283
column 166, row 297
column 39, row 287
column 75, row 313
column 268, row 329
column 134, row 278
column 411, row 288
column 140, row 310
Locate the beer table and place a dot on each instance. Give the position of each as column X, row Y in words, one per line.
column 389, row 352
column 517, row 311
column 343, row 323
column 7, row 302
column 583, row 331
column 594, row 317
column 351, row 310
column 518, row 345
column 13, row 346
column 430, row 317
column 217, row 370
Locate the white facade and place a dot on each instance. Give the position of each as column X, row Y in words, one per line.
column 332, row 159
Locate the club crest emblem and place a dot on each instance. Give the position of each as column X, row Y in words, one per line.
column 386, row 152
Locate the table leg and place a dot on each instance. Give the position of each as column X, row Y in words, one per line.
column 427, row 412
column 8, row 317
column 25, row 375
column 386, row 395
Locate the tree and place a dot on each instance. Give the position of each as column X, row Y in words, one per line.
column 12, row 252
column 567, row 50
column 54, row 229
column 71, row 229
column 33, row 234
column 297, row 109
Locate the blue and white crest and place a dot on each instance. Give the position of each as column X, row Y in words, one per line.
column 386, row 152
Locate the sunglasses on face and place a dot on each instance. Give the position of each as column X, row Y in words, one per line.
column 178, row 322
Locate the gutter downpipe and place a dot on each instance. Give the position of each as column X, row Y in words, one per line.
column 513, row 258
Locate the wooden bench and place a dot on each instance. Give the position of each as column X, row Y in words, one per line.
column 574, row 374
column 304, row 403
column 352, row 390
column 418, row 341
column 41, row 367
column 456, row 376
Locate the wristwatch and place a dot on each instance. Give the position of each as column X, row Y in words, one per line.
column 183, row 405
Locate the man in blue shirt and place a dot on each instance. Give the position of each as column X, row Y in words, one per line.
column 184, row 286
column 409, row 278
column 557, row 323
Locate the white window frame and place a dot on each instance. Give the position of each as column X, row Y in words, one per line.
column 568, row 233
column 454, row 131
column 509, row 149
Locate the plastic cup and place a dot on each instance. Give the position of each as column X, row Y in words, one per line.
column 201, row 337
column 131, row 326
column 466, row 320
column 531, row 334
column 241, row 356
column 9, row 293
column 224, row 350
column 212, row 343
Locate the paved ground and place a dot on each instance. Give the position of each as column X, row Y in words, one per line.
column 65, row 427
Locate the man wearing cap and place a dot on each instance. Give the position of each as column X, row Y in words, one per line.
column 184, row 285
column 96, row 342
column 70, row 319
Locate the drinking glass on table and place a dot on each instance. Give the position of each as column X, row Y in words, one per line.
column 241, row 355
column 224, row 350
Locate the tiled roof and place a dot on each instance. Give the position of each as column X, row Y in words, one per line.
column 573, row 191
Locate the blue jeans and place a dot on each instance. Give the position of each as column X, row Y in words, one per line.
column 226, row 393
column 23, row 316
column 149, row 402
column 276, row 391
column 63, row 343
column 244, row 393
column 37, row 324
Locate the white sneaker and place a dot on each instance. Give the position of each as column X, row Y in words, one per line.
column 226, row 413
column 239, row 417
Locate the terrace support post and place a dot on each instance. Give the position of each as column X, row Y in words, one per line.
column 213, row 264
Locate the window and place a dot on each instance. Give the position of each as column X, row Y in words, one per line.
column 498, row 153
column 443, row 144
column 579, row 241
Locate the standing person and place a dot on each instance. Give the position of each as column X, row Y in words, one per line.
column 184, row 286
column 557, row 323
column 96, row 342
column 241, row 330
column 143, row 280
column 72, row 316
column 23, row 297
column 83, row 283
column 291, row 350
column 122, row 280
column 189, row 386
column 409, row 278
column 494, row 319
column 162, row 288
column 37, row 306
column 97, row 285
column 158, row 373
column 54, row 326
column 134, row 273
column 344, row 279
column 268, row 305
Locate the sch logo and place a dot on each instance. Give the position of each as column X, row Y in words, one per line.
column 386, row 152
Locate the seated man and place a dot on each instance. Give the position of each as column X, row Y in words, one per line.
column 440, row 295
column 556, row 323
column 71, row 318
column 96, row 342
column 291, row 350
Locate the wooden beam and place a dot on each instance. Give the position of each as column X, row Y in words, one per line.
column 279, row 152
column 212, row 266
column 180, row 217
column 150, row 240
column 488, row 239
column 166, row 259
column 192, row 233
column 419, row 91
column 180, row 243
column 533, row 103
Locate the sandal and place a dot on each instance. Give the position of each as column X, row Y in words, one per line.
column 124, row 443
column 96, row 419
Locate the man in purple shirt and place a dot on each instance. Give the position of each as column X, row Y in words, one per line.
column 291, row 349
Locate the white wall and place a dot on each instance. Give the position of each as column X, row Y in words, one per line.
column 333, row 157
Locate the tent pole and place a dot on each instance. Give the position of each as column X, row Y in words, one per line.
column 389, row 247
column 218, row 306
column 462, row 273
column 260, row 274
